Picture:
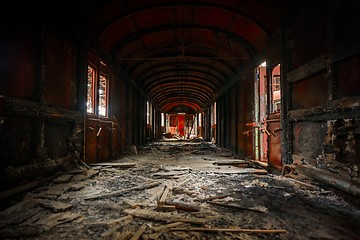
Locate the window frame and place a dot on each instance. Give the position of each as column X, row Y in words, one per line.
column 100, row 71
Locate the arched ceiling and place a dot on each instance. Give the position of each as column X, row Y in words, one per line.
column 182, row 53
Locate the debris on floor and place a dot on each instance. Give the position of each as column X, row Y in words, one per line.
column 166, row 191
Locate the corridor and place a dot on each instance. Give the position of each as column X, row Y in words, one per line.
column 176, row 189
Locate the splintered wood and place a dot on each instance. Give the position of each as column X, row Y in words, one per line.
column 174, row 195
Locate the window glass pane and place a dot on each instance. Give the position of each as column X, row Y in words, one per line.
column 102, row 96
column 90, row 90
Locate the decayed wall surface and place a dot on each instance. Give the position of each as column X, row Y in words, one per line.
column 42, row 100
column 325, row 85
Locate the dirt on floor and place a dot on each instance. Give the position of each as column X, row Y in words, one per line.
column 179, row 190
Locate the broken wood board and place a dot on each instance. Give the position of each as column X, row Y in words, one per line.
column 139, row 232
column 177, row 168
column 55, row 206
column 166, row 191
column 166, row 208
column 231, row 162
column 233, row 170
column 239, row 230
column 15, row 214
column 184, row 206
column 115, row 164
column 122, row 236
column 169, row 174
column 163, row 228
column 120, row 192
column 63, row 179
column 55, row 191
column 302, row 184
column 165, row 217
column 254, row 209
column 58, row 218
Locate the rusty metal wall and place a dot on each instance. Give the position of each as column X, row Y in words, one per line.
column 310, row 92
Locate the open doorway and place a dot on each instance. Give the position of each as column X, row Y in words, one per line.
column 261, row 134
column 181, row 126
column 266, row 124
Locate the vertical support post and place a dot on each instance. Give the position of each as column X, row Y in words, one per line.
column 41, row 151
column 331, row 66
column 285, row 124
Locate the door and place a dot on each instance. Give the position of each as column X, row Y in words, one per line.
column 273, row 119
column 181, row 119
column 98, row 128
column 260, row 132
column 266, row 125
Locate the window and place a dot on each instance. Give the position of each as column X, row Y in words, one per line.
column 148, row 113
column 97, row 93
column 275, row 89
column 276, row 83
column 102, row 109
column 90, row 90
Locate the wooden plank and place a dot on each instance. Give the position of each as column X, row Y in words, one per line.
column 28, row 108
column 311, row 67
column 168, row 226
column 120, row 192
column 63, row 179
column 167, row 189
column 165, row 217
column 166, row 208
column 333, row 110
column 169, row 174
column 58, row 218
column 254, row 209
column 115, row 164
column 19, row 189
column 122, row 236
column 231, row 230
column 230, row 162
column 184, row 206
column 138, row 233
column 54, row 206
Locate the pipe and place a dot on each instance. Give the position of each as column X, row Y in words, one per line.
column 330, row 180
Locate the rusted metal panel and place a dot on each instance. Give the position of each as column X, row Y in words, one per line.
column 310, row 92
column 308, row 138
column 274, row 151
column 61, row 70
column 349, row 75
column 20, row 63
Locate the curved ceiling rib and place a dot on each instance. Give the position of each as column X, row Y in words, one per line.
column 184, row 90
column 188, row 79
column 207, row 72
column 182, row 53
column 114, row 49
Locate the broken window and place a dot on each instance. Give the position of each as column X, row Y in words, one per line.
column 148, row 113
column 275, row 89
column 102, row 109
column 97, row 93
column 90, row 90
